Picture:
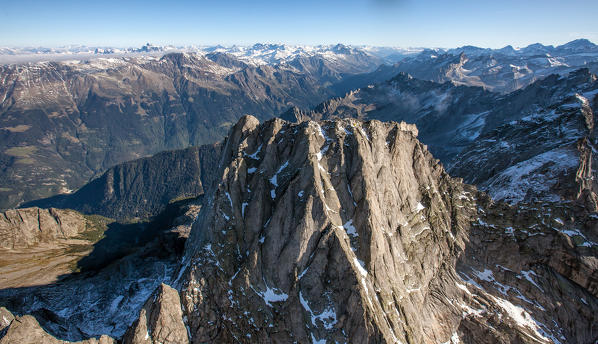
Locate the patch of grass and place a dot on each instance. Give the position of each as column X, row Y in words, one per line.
column 18, row 129
column 21, row 152
column 25, row 161
column 72, row 249
column 181, row 199
column 95, row 227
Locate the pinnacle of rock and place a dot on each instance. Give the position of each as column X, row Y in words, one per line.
column 351, row 231
column 160, row 320
column 339, row 221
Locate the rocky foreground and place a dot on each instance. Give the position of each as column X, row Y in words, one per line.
column 351, row 232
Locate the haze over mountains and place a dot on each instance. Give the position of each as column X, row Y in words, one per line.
column 275, row 193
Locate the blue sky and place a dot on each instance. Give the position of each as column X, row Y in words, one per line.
column 376, row 22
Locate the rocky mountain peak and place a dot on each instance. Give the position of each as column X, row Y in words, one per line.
column 402, row 77
column 351, row 231
column 226, row 60
column 342, row 49
column 302, row 224
column 580, row 45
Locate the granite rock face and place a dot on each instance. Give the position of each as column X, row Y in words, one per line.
column 352, row 232
column 160, row 320
column 30, row 226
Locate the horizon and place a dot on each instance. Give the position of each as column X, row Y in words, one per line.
column 379, row 23
column 248, row 45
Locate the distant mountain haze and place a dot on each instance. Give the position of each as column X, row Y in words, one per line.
column 63, row 123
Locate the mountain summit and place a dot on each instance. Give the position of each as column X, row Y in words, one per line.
column 352, row 232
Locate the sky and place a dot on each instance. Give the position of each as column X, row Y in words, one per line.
column 399, row 23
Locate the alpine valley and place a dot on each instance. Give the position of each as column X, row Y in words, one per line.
column 299, row 194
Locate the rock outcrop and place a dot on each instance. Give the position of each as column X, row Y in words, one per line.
column 6, row 319
column 30, row 226
column 160, row 320
column 26, row 330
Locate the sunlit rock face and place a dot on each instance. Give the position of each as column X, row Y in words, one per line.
column 352, row 232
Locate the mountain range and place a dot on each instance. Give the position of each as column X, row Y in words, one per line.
column 358, row 232
column 64, row 123
column 328, row 194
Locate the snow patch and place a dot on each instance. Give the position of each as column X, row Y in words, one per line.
column 513, row 183
column 116, row 302
column 573, row 233
column 350, row 228
column 229, row 200
column 360, row 266
column 272, row 295
column 462, row 287
column 274, row 179
column 527, row 274
column 303, row 273
column 254, row 155
column 316, row 341
column 522, row 318
column 327, row 317
column 243, row 206
column 582, row 300
column 454, row 339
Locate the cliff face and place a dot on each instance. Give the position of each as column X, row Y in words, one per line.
column 351, row 232
column 30, row 226
column 321, row 221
